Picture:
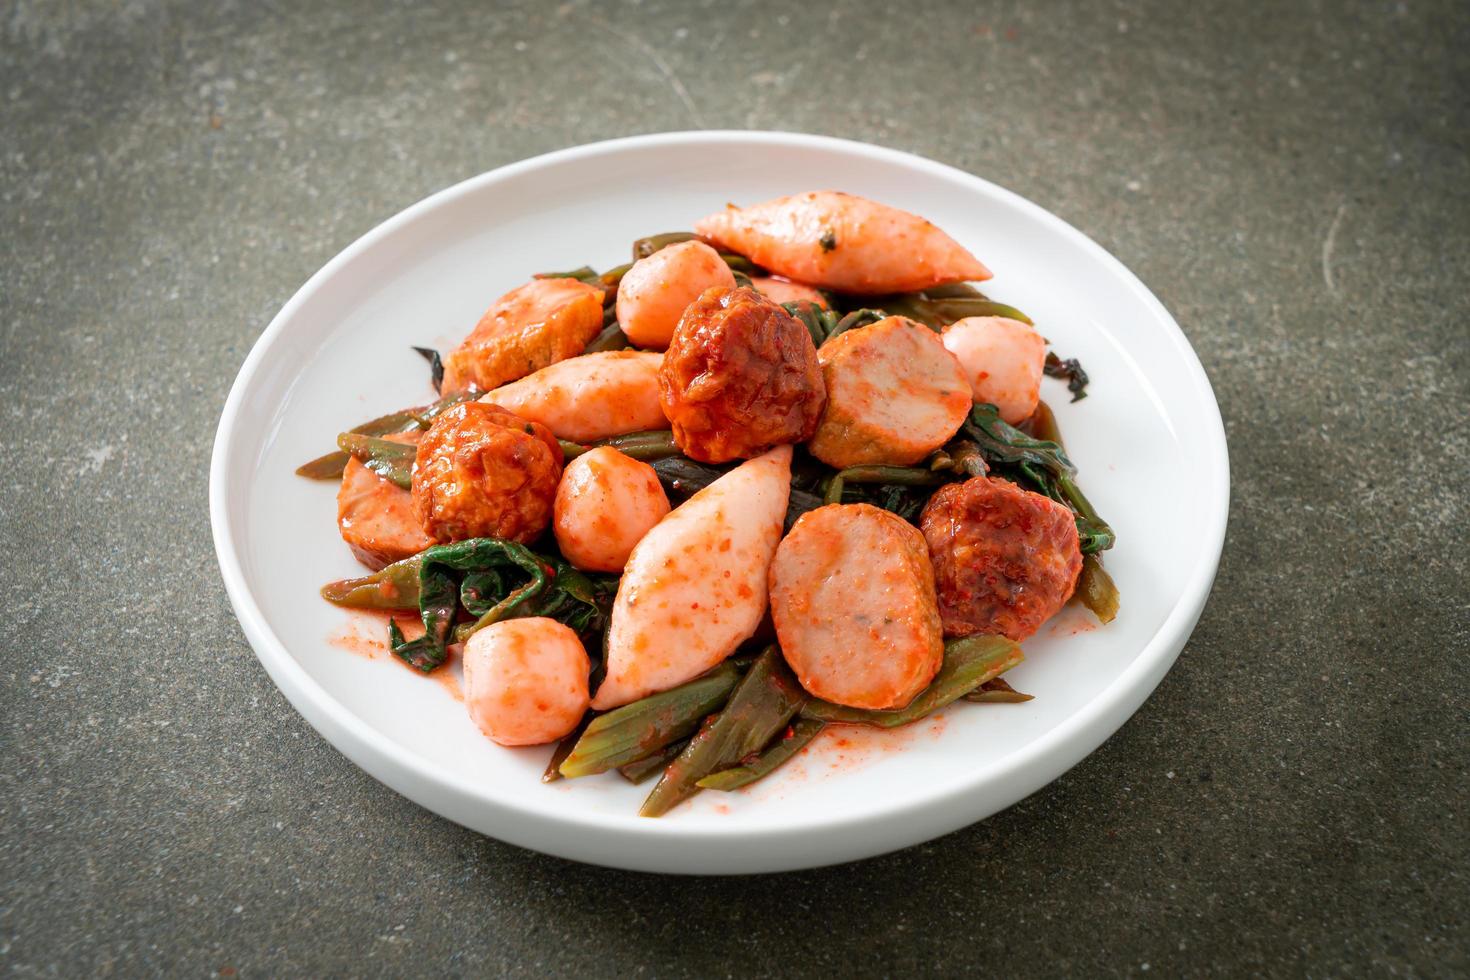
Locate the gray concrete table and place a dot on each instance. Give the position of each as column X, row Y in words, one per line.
column 1294, row 184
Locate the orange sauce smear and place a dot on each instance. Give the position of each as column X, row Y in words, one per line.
column 366, row 634
column 841, row 749
column 1072, row 620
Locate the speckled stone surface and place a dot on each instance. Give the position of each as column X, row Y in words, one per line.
column 1292, row 180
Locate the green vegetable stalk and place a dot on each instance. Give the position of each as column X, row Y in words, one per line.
column 960, row 457
column 647, row 245
column 1043, row 424
column 393, row 461
column 760, row 708
column 425, row 416
column 395, row 586
column 638, row 730
column 644, row 247
column 797, row 737
column 818, row 322
column 1096, row 590
column 647, row 446
column 330, row 466
column 645, row 769
column 968, row 663
column 584, row 273
column 997, row 691
column 610, row 280
column 823, row 325
column 904, row 476
column 611, row 338
column 855, row 319
column 938, row 307
column 552, row 772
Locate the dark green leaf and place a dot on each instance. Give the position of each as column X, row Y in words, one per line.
column 494, row 580
column 439, row 594
column 1071, row 370
column 436, row 365
column 683, row 477
column 740, row 265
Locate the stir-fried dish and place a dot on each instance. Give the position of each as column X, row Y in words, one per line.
column 786, row 471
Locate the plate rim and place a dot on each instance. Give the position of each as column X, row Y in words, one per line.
column 1033, row 766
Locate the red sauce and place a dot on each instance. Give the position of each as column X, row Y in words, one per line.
column 1072, row 620
column 844, row 749
column 365, row 633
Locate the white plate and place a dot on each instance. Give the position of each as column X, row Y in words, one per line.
column 1148, row 441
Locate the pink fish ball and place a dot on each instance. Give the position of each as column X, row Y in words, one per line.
column 605, row 504
column 1002, row 359
column 526, row 681
column 654, row 293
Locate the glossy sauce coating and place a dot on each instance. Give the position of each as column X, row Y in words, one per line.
column 653, row 294
column 843, row 242
column 540, row 323
column 605, row 504
column 894, row 395
column 1005, row 559
column 525, row 681
column 483, row 472
column 589, row 397
column 852, row 596
column 1003, row 360
column 376, row 517
column 740, row 376
column 696, row 586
